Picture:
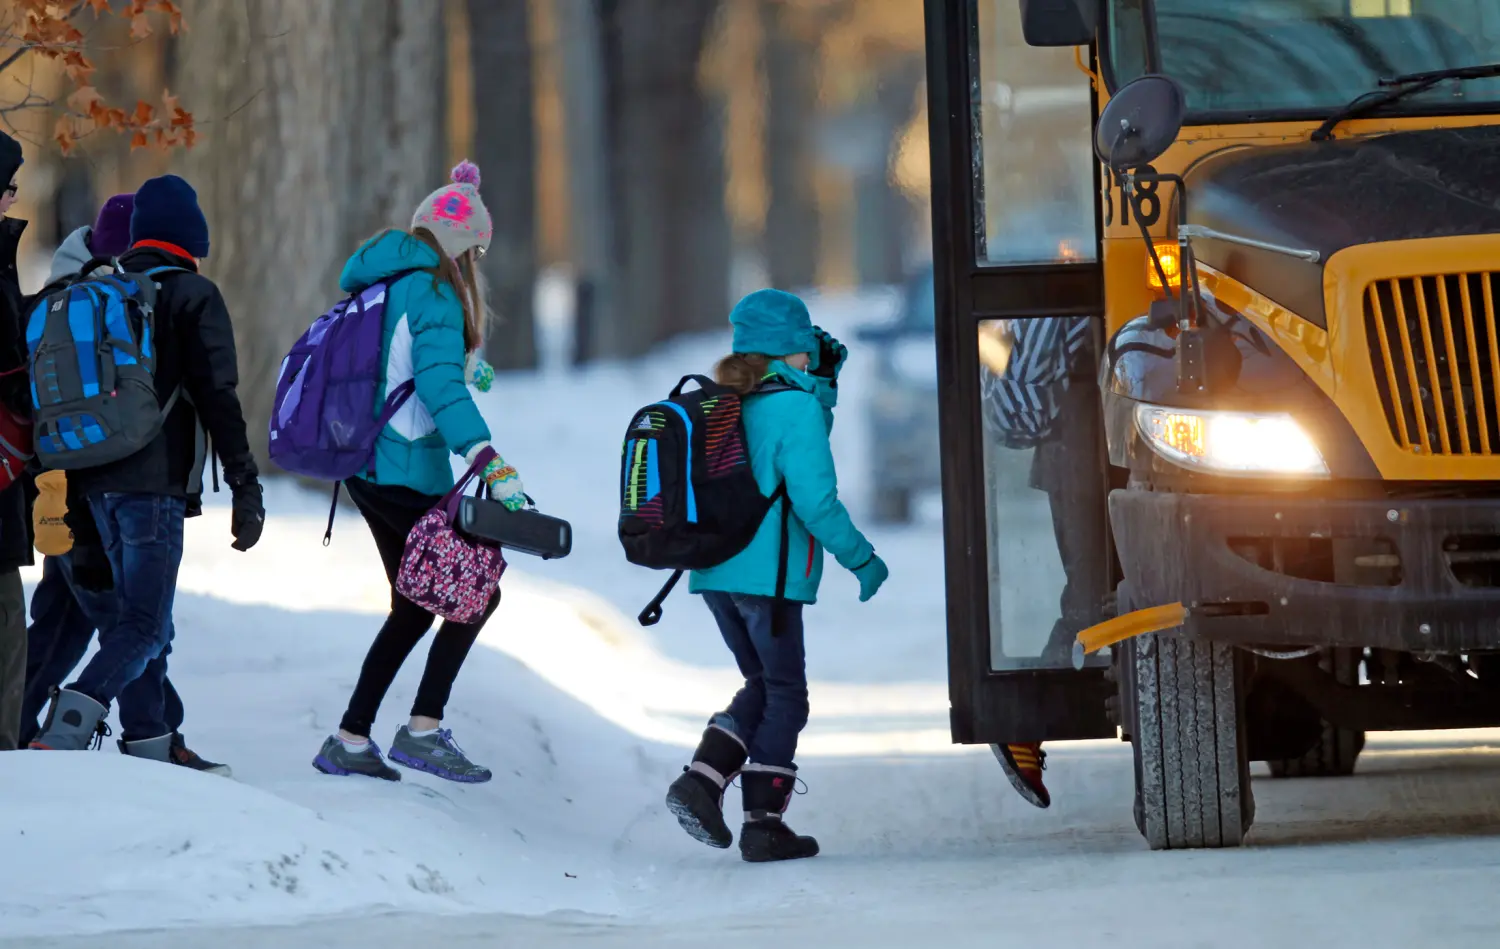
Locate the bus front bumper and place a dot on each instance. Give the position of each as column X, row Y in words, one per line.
column 1411, row 574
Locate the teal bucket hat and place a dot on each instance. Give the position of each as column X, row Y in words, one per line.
column 772, row 322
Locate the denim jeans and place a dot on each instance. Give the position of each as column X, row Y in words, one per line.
column 770, row 710
column 64, row 617
column 142, row 535
column 12, row 658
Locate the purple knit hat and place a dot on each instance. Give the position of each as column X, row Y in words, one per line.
column 111, row 235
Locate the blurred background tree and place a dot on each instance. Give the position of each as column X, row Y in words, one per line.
column 657, row 158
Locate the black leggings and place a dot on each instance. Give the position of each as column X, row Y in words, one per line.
column 391, row 511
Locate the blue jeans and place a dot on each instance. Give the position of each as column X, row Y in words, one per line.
column 63, row 619
column 142, row 535
column 770, row 710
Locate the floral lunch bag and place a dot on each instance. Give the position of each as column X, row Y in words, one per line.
column 443, row 571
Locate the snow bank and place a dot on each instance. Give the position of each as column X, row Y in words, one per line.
column 95, row 842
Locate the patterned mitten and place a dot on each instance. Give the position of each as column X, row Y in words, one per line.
column 478, row 373
column 505, row 483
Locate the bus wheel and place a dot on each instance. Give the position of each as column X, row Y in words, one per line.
column 1192, row 766
column 1334, row 753
column 1333, row 756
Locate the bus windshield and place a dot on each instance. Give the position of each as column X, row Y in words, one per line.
column 1257, row 60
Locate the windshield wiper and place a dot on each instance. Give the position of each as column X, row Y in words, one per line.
column 1399, row 87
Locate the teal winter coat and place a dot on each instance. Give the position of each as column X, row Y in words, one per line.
column 788, row 440
column 423, row 340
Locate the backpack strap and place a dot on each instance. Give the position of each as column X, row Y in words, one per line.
column 651, row 615
column 781, row 568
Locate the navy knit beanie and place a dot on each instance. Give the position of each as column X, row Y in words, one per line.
column 166, row 209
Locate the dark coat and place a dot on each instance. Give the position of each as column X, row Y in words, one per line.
column 195, row 350
column 15, row 502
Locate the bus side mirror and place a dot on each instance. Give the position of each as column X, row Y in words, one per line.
column 1140, row 122
column 1059, row 22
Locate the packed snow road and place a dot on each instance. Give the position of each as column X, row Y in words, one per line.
column 936, row 850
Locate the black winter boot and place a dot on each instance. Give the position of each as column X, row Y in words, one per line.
column 697, row 796
column 765, row 836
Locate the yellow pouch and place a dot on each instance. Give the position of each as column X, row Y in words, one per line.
column 53, row 538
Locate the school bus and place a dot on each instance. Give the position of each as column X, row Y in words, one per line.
column 1253, row 512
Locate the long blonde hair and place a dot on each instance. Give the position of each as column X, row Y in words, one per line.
column 742, row 372
column 462, row 277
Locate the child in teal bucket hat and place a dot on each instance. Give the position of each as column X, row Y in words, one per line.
column 776, row 345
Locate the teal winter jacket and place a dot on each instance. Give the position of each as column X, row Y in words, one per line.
column 424, row 340
column 788, row 441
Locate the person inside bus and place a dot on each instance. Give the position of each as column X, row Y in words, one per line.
column 1039, row 392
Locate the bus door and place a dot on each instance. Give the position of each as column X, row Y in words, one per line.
column 1020, row 301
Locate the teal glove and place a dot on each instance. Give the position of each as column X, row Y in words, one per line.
column 830, row 357
column 827, row 392
column 871, row 574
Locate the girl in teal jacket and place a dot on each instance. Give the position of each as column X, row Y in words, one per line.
column 434, row 322
column 787, row 426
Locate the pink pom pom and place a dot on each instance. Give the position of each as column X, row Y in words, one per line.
column 466, row 173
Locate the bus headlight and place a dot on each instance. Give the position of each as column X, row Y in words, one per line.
column 1231, row 443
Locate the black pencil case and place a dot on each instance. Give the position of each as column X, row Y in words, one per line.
column 528, row 531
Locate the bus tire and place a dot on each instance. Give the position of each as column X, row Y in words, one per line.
column 1192, row 766
column 1335, row 752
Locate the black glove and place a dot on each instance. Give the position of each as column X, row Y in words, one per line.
column 249, row 517
column 91, row 569
column 830, row 355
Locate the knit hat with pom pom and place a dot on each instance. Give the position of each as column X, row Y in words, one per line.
column 455, row 214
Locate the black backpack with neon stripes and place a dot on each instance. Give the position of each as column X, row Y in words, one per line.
column 688, row 499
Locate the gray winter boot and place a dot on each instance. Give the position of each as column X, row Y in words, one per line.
column 153, row 749
column 437, row 754
column 696, row 798
column 765, row 837
column 74, row 723
column 334, row 758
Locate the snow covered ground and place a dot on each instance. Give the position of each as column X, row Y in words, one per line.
column 586, row 717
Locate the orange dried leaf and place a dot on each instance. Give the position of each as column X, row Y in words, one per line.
column 85, row 99
column 77, row 66
column 145, row 113
column 138, row 140
column 140, row 26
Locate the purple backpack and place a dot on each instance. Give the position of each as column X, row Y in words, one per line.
column 324, row 421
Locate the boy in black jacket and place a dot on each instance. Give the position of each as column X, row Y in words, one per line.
column 138, row 504
column 15, row 515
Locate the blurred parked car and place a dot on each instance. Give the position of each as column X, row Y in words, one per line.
column 904, row 411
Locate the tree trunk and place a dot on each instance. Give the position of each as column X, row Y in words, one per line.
column 791, row 237
column 505, row 150
column 882, row 214
column 667, row 174
column 322, row 123
column 591, row 228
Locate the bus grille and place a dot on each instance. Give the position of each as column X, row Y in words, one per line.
column 1436, row 354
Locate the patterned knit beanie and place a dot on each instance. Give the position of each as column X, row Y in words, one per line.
column 455, row 214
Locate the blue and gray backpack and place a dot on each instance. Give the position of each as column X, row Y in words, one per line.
column 92, row 358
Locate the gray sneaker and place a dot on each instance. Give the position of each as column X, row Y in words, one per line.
column 337, row 759
column 436, row 754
